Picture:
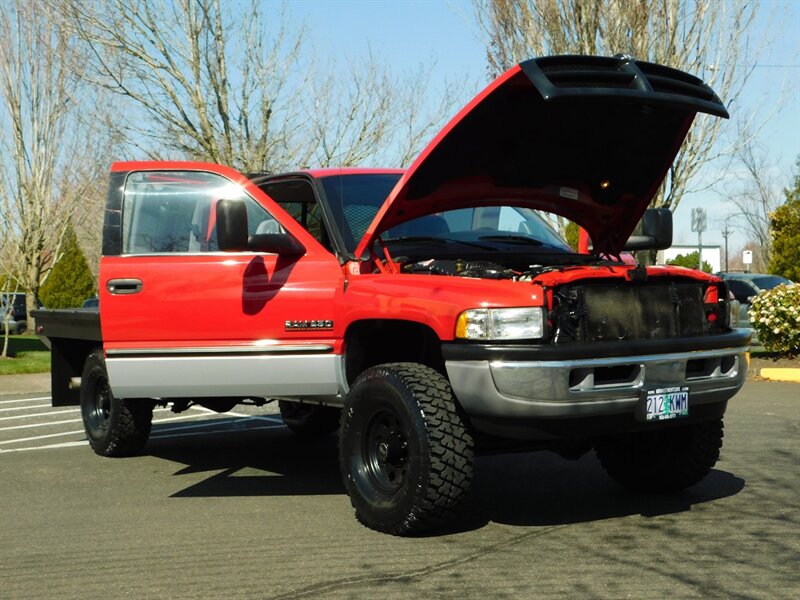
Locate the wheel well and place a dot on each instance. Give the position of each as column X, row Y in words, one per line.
column 378, row 341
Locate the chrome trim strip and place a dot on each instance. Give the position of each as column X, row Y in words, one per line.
column 253, row 376
column 189, row 351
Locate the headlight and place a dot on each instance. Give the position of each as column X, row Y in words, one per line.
column 500, row 324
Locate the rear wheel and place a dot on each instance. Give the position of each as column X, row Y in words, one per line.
column 404, row 452
column 114, row 427
column 310, row 420
column 662, row 461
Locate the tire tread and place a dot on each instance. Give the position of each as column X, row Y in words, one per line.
column 130, row 423
column 449, row 442
column 665, row 461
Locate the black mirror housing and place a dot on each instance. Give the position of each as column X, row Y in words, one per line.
column 275, row 243
column 232, row 233
column 232, row 225
column 656, row 231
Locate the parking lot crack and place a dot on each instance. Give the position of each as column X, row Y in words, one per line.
column 415, row 574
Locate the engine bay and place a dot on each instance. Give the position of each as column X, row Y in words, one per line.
column 517, row 270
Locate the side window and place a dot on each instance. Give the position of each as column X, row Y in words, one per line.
column 741, row 290
column 296, row 197
column 175, row 212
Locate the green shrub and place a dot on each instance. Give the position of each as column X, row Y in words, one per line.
column 70, row 282
column 775, row 316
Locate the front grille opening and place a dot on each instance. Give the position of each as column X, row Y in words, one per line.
column 579, row 378
column 610, row 312
column 602, row 377
column 701, row 367
column 615, row 375
column 728, row 365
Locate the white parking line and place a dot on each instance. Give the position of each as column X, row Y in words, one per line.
column 26, row 404
column 277, row 424
column 50, row 447
column 71, row 411
column 50, row 424
column 41, row 437
column 25, row 400
column 75, row 421
column 25, row 407
column 34, row 415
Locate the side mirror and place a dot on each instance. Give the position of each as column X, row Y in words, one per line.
column 656, row 231
column 232, row 225
column 232, row 233
column 275, row 243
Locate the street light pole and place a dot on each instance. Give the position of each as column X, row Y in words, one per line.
column 699, row 225
column 725, row 233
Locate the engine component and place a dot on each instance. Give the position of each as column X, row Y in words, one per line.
column 482, row 269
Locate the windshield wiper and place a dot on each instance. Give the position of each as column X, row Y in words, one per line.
column 512, row 239
column 415, row 239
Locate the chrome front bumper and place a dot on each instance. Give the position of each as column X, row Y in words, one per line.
column 589, row 387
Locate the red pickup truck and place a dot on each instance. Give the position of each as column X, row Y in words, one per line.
column 428, row 314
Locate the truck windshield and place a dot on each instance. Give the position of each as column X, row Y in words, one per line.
column 355, row 200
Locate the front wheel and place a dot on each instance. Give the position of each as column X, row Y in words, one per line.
column 114, row 426
column 662, row 461
column 404, row 451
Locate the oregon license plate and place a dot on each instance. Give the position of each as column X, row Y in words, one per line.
column 666, row 403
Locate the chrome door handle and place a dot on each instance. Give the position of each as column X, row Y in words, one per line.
column 124, row 286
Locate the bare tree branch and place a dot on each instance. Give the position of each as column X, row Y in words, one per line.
column 711, row 38
column 48, row 161
column 172, row 61
column 755, row 193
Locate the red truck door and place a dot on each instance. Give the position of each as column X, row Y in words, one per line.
column 181, row 318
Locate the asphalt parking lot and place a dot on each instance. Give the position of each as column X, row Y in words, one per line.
column 235, row 506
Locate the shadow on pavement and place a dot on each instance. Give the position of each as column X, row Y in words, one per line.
column 532, row 489
column 543, row 489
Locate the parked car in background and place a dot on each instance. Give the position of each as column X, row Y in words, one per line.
column 745, row 286
column 91, row 303
column 13, row 313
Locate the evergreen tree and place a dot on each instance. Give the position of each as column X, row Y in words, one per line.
column 70, row 282
column 785, row 231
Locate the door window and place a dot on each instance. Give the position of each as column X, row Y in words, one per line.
column 175, row 212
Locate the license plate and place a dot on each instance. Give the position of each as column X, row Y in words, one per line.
column 666, row 403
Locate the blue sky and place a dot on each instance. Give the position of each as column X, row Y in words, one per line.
column 405, row 33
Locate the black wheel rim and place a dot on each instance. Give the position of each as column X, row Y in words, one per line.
column 385, row 452
column 100, row 408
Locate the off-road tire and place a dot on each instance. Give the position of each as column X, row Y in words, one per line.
column 662, row 461
column 114, row 427
column 404, row 451
column 310, row 420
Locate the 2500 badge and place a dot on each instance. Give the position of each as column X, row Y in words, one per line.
column 308, row 325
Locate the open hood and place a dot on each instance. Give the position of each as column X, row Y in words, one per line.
column 589, row 138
